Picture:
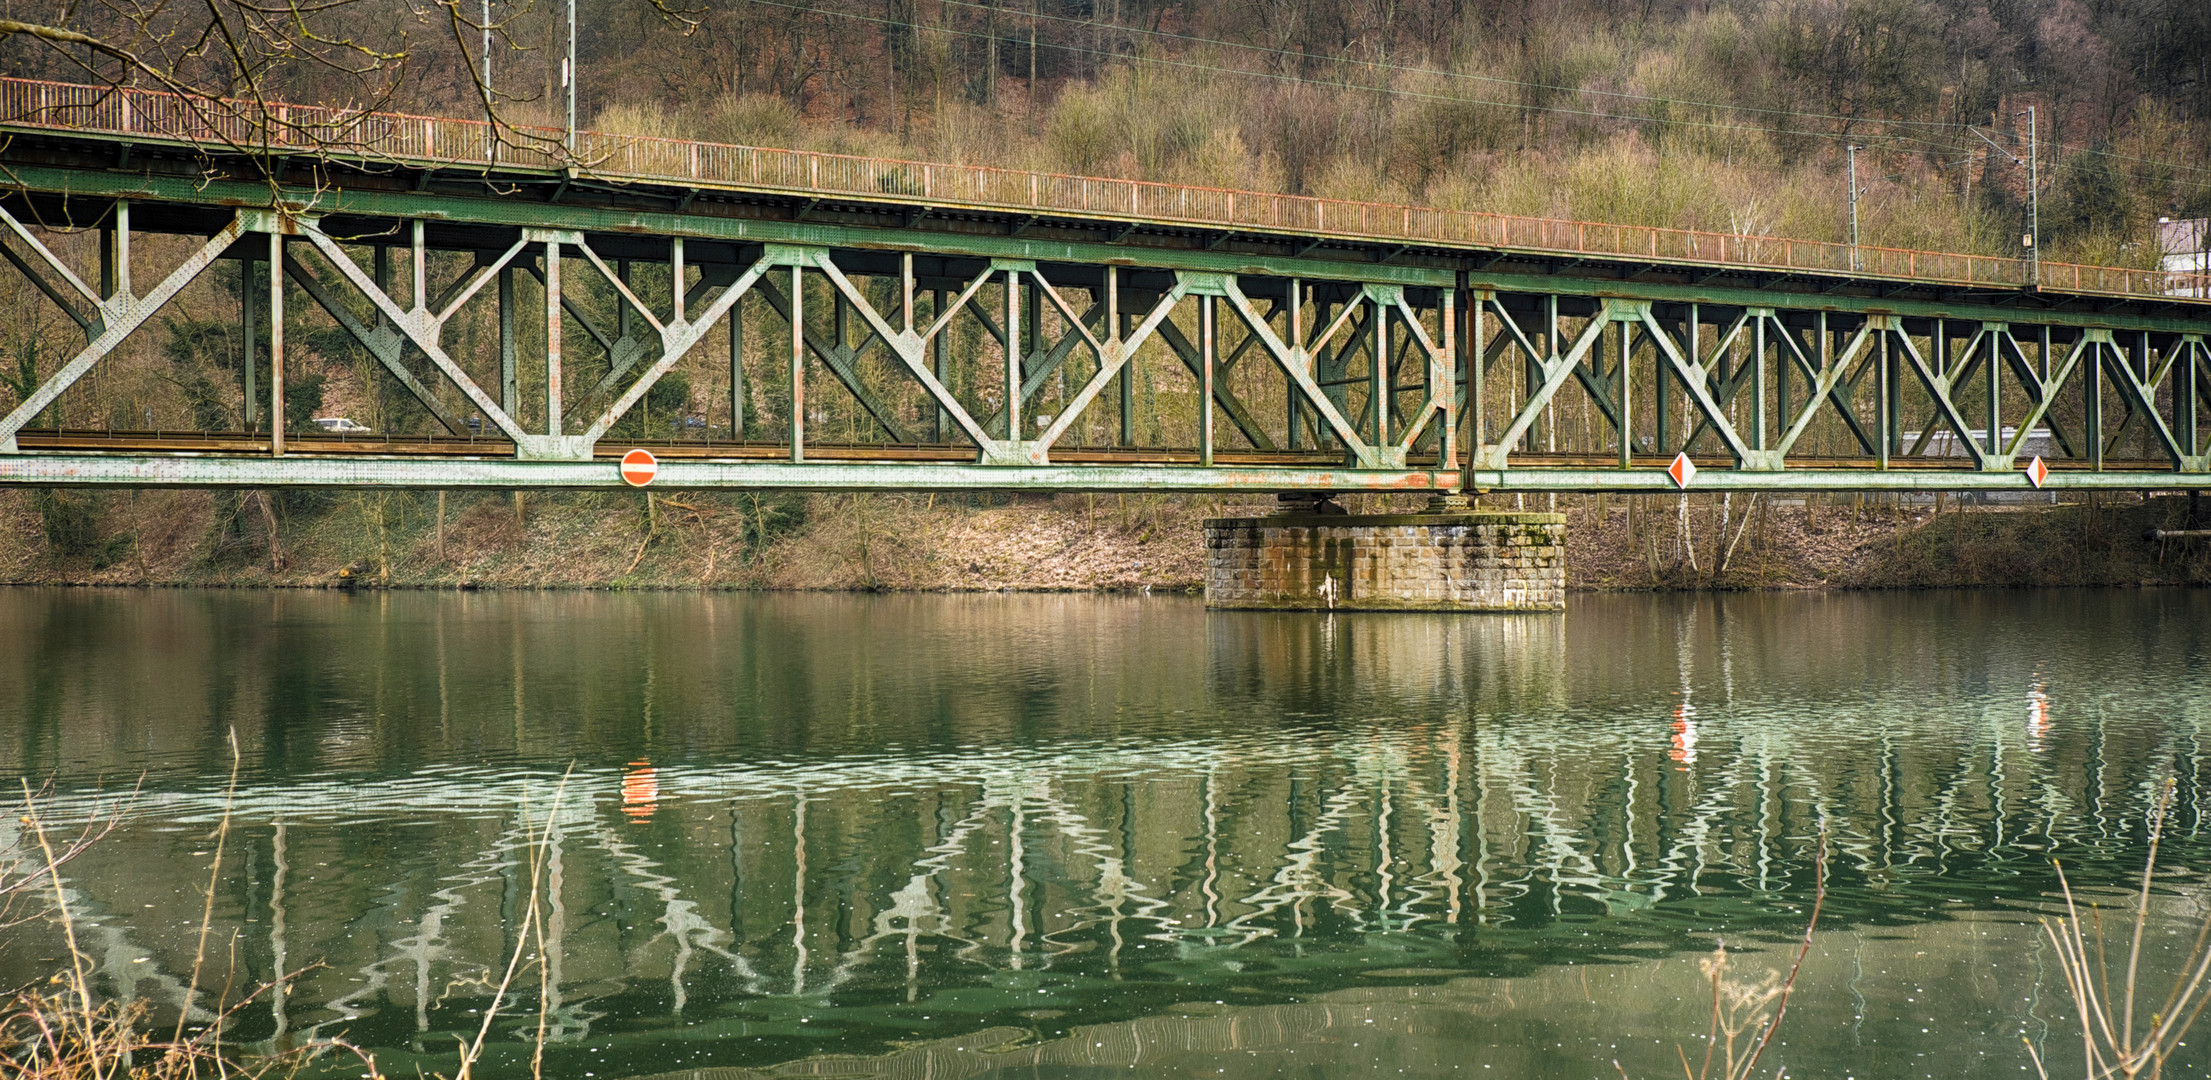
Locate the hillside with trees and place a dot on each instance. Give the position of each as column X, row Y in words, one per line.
column 1725, row 116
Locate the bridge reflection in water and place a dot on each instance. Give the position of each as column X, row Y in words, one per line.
column 804, row 825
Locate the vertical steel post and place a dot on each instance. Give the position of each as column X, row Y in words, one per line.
column 1758, row 382
column 622, row 313
column 1542, row 427
column 1781, row 376
column 1128, row 384
column 510, row 389
column 798, row 364
column 246, row 331
column 1995, row 399
column 1205, row 380
column 1013, row 355
column 276, row 343
column 1447, row 392
column 1883, row 408
column 2186, row 393
column 553, row 424
column 1378, row 372
column 1895, row 358
column 2095, row 418
column 1477, row 364
column 1295, row 412
column 1662, row 428
column 1032, row 326
column 1116, row 336
column 906, row 291
column 1825, row 358
column 421, row 268
column 123, row 248
column 941, row 352
column 678, row 274
column 1620, row 369
column 737, row 369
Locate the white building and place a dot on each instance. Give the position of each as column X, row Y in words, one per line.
column 2186, row 249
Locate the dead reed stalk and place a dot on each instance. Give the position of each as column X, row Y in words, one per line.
column 63, row 1030
column 1746, row 1012
column 2111, row 1045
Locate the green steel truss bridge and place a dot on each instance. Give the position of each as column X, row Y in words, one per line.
column 858, row 323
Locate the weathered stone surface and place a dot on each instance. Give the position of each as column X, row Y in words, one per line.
column 1479, row 561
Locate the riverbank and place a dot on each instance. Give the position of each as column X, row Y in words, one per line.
column 1000, row 541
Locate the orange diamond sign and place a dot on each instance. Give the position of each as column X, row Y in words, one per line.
column 2037, row 472
column 1682, row 470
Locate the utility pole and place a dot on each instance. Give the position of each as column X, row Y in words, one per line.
column 1854, row 262
column 2034, row 202
column 491, row 148
column 568, row 79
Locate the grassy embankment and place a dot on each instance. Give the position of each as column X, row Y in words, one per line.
column 704, row 540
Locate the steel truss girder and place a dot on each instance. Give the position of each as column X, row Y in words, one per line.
column 2166, row 396
column 2160, row 387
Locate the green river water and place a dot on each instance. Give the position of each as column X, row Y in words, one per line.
column 1075, row 836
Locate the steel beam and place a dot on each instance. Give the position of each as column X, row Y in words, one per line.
column 305, row 470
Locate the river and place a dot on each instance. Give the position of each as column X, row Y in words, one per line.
column 1068, row 835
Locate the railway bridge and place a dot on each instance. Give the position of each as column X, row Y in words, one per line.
column 858, row 323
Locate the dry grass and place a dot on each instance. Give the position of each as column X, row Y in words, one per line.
column 2113, row 1045
column 64, row 1030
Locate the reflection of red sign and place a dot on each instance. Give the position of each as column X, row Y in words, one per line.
column 2038, row 715
column 639, row 467
column 1682, row 470
column 640, row 790
column 1685, row 734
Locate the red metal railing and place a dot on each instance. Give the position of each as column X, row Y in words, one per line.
column 404, row 138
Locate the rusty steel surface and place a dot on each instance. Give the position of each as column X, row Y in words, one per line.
column 237, row 127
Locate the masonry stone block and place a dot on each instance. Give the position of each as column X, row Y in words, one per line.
column 1471, row 561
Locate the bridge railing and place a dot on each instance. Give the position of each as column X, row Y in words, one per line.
column 400, row 138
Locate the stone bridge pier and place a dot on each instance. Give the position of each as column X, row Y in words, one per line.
column 1312, row 556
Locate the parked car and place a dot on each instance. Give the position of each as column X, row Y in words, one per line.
column 340, row 425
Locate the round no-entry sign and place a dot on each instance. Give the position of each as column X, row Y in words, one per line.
column 639, row 467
